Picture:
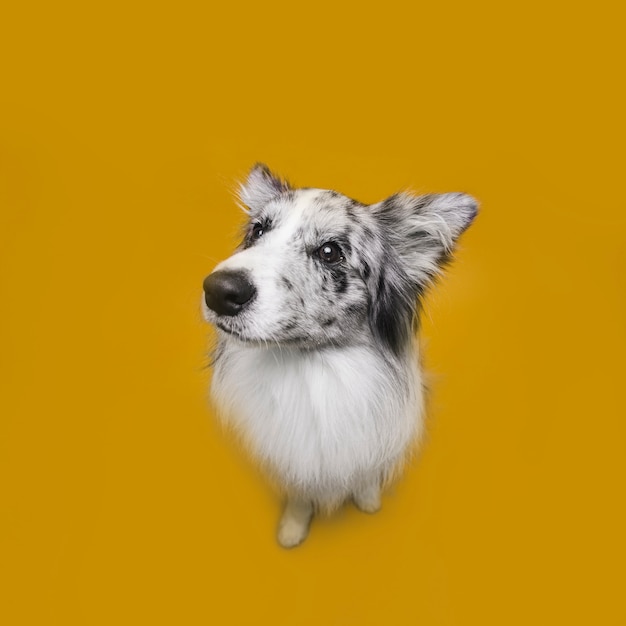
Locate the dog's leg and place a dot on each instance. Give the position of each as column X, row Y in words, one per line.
column 294, row 524
column 367, row 495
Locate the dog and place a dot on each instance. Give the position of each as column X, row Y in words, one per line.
column 317, row 363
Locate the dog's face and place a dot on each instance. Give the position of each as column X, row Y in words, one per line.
column 317, row 268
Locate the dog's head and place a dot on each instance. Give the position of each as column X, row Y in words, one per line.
column 317, row 268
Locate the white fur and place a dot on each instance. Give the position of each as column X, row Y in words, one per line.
column 321, row 420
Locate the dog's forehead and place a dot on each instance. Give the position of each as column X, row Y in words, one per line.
column 312, row 208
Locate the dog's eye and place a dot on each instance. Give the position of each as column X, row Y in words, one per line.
column 258, row 231
column 329, row 253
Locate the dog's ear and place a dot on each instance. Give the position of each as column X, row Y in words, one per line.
column 424, row 230
column 260, row 187
column 419, row 235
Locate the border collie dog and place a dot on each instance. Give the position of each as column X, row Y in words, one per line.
column 317, row 363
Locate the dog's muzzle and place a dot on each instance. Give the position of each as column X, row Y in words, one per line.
column 228, row 292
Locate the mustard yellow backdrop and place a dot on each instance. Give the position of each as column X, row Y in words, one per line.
column 123, row 128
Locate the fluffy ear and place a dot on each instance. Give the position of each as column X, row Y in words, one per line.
column 424, row 230
column 420, row 233
column 261, row 186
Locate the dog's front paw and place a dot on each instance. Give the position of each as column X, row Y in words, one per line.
column 294, row 524
column 367, row 498
column 292, row 533
column 367, row 505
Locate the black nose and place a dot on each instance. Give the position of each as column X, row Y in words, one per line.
column 228, row 292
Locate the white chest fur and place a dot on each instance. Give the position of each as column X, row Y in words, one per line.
column 322, row 420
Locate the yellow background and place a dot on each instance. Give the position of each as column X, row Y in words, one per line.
column 123, row 127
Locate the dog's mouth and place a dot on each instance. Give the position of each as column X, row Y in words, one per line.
column 230, row 331
column 221, row 322
column 286, row 341
column 242, row 336
column 228, row 328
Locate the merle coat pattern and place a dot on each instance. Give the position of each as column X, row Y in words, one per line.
column 317, row 362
